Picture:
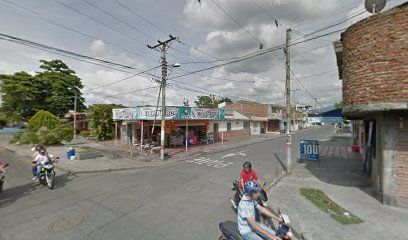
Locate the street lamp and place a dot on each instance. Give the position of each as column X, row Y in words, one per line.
column 75, row 109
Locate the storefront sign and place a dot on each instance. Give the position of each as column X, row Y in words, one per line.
column 205, row 113
column 173, row 113
column 124, row 114
column 149, row 113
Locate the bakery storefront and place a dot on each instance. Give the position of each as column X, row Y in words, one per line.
column 139, row 124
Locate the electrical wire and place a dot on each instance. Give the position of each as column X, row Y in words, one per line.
column 235, row 21
column 92, row 37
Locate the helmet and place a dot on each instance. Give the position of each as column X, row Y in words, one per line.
column 251, row 187
column 247, row 164
column 42, row 149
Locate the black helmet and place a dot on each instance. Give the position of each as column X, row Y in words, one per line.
column 247, row 164
column 42, row 149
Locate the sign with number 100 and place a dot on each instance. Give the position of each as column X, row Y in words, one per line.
column 309, row 149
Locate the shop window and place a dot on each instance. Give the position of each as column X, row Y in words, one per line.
column 246, row 125
column 215, row 127
column 229, row 127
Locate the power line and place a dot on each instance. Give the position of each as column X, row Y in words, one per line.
column 119, row 94
column 249, row 56
column 118, row 19
column 92, row 37
column 100, row 22
column 266, row 12
column 74, row 55
column 234, row 20
column 126, row 78
column 303, row 86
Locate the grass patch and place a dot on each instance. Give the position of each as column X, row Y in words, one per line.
column 86, row 151
column 322, row 201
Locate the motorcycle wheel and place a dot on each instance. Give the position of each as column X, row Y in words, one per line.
column 50, row 181
column 1, row 186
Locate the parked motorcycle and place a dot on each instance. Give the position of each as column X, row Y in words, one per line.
column 262, row 200
column 229, row 230
column 2, row 176
column 47, row 174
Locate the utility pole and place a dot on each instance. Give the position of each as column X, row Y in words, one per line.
column 315, row 106
column 288, row 107
column 163, row 45
column 294, row 103
column 75, row 113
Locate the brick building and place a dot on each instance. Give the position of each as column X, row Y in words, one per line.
column 256, row 112
column 372, row 56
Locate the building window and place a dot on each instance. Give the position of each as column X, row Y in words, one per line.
column 229, row 127
column 246, row 125
column 215, row 127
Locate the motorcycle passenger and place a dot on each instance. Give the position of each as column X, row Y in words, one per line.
column 247, row 226
column 248, row 174
column 35, row 151
column 39, row 160
column 2, row 169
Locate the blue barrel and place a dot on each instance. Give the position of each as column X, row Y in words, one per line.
column 70, row 153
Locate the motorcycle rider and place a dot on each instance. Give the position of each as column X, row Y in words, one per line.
column 40, row 159
column 247, row 226
column 248, row 174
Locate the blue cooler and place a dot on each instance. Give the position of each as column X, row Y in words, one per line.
column 70, row 153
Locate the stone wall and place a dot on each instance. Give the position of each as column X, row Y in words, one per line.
column 375, row 61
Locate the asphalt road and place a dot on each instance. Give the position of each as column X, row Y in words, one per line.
column 184, row 200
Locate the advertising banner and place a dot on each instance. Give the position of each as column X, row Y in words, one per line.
column 173, row 113
column 125, row 114
column 149, row 113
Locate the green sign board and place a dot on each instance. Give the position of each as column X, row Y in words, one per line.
column 172, row 113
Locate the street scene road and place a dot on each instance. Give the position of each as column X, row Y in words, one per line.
column 203, row 119
column 185, row 200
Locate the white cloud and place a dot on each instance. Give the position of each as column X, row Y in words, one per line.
column 98, row 47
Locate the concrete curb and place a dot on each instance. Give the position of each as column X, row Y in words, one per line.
column 119, row 169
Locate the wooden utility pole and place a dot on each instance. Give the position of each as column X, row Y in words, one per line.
column 288, row 107
column 163, row 45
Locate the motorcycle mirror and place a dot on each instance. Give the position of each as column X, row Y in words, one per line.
column 5, row 165
column 57, row 158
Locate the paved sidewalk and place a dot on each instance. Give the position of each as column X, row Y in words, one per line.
column 339, row 176
column 116, row 157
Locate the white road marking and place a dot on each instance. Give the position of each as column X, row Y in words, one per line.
column 241, row 153
column 210, row 162
column 229, row 155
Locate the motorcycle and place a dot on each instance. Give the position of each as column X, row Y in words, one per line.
column 261, row 200
column 47, row 174
column 2, row 176
column 229, row 230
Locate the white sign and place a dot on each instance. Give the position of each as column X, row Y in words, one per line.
column 204, row 113
column 124, row 114
column 150, row 113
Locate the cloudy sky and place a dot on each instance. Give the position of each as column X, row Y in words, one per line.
column 118, row 31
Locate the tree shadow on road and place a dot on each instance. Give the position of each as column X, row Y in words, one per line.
column 11, row 195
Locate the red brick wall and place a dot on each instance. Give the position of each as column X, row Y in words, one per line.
column 231, row 134
column 249, row 108
column 400, row 170
column 375, row 59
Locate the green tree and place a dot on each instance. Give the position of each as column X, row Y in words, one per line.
column 210, row 101
column 102, row 120
column 339, row 105
column 21, row 96
column 53, row 90
column 61, row 85
column 45, row 128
